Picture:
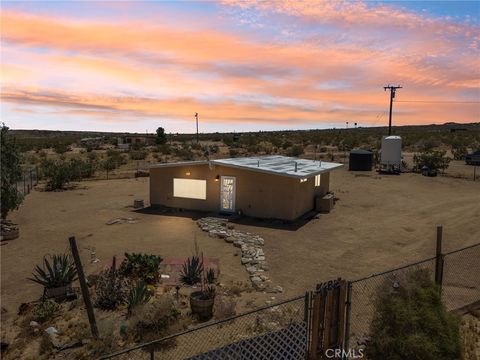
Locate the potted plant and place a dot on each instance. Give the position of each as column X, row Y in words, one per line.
column 202, row 301
column 56, row 275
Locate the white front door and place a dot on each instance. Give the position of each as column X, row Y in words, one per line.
column 227, row 193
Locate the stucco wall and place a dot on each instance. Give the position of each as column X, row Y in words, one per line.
column 257, row 194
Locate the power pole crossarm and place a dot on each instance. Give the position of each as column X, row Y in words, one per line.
column 392, row 89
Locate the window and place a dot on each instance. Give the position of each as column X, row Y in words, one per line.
column 190, row 188
column 317, row 180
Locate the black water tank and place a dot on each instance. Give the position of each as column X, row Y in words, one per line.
column 360, row 160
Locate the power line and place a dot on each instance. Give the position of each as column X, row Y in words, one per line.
column 438, row 101
column 392, row 89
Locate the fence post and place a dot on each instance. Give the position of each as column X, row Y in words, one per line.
column 347, row 318
column 152, row 354
column 307, row 318
column 83, row 286
column 439, row 258
column 24, row 185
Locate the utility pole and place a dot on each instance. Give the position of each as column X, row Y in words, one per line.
column 196, row 118
column 392, row 95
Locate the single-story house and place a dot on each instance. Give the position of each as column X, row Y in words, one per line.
column 124, row 142
column 277, row 187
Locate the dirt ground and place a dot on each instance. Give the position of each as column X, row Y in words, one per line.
column 379, row 222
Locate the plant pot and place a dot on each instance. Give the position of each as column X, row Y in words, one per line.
column 203, row 308
column 58, row 293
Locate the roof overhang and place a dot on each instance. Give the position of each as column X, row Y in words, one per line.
column 274, row 165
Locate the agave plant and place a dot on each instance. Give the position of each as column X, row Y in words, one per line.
column 210, row 276
column 139, row 294
column 192, row 271
column 58, row 271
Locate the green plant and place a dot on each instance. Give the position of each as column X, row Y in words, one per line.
column 191, row 271
column 45, row 310
column 433, row 159
column 141, row 266
column 11, row 173
column 411, row 322
column 210, row 276
column 139, row 294
column 57, row 173
column 161, row 137
column 138, row 154
column 109, row 290
column 207, row 292
column 57, row 272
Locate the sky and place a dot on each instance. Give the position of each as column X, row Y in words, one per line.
column 241, row 65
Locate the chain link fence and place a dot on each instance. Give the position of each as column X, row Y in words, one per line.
column 364, row 291
column 277, row 330
column 460, row 287
column 461, row 277
column 28, row 181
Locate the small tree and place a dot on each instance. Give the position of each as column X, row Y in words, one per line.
column 11, row 198
column 161, row 137
column 57, row 173
column 411, row 322
column 433, row 159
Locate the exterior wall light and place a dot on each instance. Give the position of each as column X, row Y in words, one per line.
column 217, row 178
column 187, row 173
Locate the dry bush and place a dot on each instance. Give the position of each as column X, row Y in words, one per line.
column 153, row 318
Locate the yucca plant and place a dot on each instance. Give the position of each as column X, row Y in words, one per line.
column 57, row 271
column 139, row 294
column 191, row 271
column 210, row 276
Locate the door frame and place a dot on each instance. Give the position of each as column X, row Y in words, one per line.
column 234, row 193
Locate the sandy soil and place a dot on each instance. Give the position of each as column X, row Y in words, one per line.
column 380, row 222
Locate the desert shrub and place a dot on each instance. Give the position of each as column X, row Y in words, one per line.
column 295, row 150
column 411, row 322
column 57, row 173
column 45, row 310
column 213, row 149
column 184, row 153
column 164, row 149
column 138, row 294
column 113, row 160
column 61, row 148
column 233, row 152
column 141, row 266
column 434, row 160
column 161, row 136
column 154, row 317
column 109, row 290
column 191, row 271
column 81, row 169
column 138, row 154
column 58, row 270
column 459, row 152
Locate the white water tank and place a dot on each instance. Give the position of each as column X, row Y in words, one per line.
column 391, row 151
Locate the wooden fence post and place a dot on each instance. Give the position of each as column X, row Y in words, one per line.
column 83, row 286
column 439, row 258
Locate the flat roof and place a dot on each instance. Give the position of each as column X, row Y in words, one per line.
column 272, row 164
column 280, row 165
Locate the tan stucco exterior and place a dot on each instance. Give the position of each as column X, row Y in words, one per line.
column 258, row 194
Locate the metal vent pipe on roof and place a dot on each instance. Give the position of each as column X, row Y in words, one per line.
column 296, row 166
column 258, row 163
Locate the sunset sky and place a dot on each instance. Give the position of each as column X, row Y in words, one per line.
column 242, row 65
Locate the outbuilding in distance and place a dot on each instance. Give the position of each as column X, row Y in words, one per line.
column 272, row 187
